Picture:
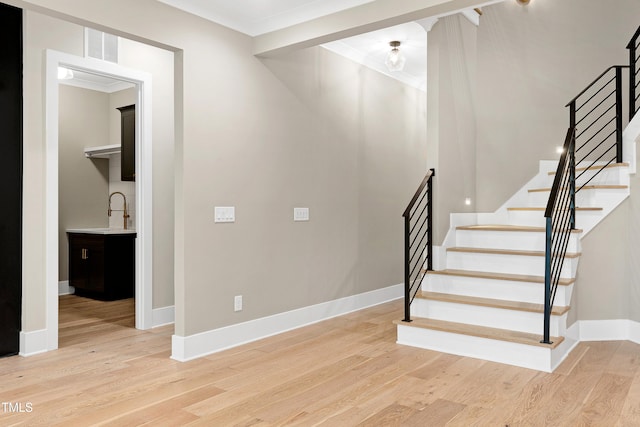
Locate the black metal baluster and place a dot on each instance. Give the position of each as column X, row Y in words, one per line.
column 619, row 128
column 425, row 191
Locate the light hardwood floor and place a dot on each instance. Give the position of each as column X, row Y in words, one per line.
column 347, row 371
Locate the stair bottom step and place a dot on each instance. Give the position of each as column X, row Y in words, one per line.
column 481, row 332
column 495, row 345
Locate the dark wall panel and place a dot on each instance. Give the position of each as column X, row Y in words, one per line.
column 10, row 179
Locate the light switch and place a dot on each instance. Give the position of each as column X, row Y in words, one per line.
column 225, row 214
column 301, row 214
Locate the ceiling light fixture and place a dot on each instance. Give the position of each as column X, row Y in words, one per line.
column 395, row 59
column 523, row 2
column 64, row 73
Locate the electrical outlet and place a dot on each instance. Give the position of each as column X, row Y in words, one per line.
column 301, row 214
column 237, row 303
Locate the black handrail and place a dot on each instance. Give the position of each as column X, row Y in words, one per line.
column 560, row 217
column 597, row 152
column 633, row 78
column 600, row 107
column 594, row 82
column 418, row 252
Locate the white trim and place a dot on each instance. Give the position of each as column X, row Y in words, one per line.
column 164, row 316
column 522, row 355
column 472, row 16
column 65, row 289
column 143, row 185
column 191, row 347
column 609, row 330
column 630, row 135
column 634, row 331
column 32, row 343
column 84, row 84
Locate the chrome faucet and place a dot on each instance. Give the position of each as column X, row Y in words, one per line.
column 125, row 214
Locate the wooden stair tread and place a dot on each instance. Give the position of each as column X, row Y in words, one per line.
column 505, row 227
column 612, row 165
column 481, row 332
column 542, row 209
column 506, row 252
column 497, row 276
column 586, row 187
column 490, row 302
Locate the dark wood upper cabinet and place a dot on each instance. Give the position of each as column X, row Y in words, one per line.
column 128, row 140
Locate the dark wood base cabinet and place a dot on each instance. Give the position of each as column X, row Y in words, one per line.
column 102, row 266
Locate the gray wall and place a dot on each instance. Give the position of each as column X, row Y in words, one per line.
column 309, row 129
column 531, row 61
column 451, row 95
column 609, row 271
column 83, row 183
column 528, row 63
column 266, row 136
column 44, row 32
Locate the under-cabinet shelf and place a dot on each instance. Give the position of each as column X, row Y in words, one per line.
column 102, row 152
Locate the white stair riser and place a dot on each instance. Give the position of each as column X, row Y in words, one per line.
column 537, row 219
column 491, row 317
column 495, row 289
column 584, row 198
column 525, row 356
column 510, row 264
column 608, row 176
column 509, row 240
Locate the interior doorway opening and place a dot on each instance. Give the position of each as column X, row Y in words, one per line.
column 143, row 184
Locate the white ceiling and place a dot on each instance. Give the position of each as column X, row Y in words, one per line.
column 371, row 50
column 255, row 17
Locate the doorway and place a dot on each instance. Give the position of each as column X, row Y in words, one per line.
column 143, row 183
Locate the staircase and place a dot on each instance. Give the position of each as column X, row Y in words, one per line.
column 485, row 297
column 500, row 286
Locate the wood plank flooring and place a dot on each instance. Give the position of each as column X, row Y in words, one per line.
column 347, row 371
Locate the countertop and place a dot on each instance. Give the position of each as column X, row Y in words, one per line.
column 100, row 231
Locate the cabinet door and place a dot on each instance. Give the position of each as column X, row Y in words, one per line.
column 128, row 141
column 86, row 262
column 10, row 179
column 95, row 268
column 78, row 273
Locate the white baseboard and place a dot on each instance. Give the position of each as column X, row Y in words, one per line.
column 65, row 289
column 163, row 316
column 607, row 330
column 191, row 347
column 32, row 343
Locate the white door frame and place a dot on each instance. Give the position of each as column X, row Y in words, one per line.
column 143, row 208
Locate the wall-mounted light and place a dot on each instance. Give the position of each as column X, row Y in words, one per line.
column 467, row 201
column 64, row 73
column 395, row 59
column 559, row 150
column 523, row 2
